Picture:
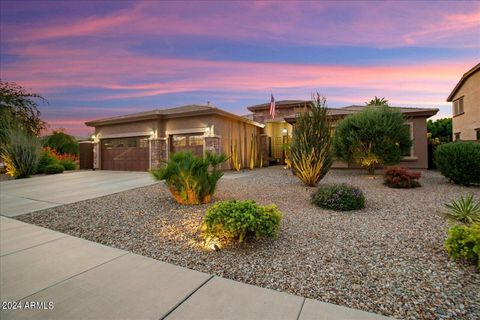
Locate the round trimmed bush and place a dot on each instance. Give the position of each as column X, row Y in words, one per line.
column 241, row 220
column 340, row 197
column 54, row 168
column 459, row 162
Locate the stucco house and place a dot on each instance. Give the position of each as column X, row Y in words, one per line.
column 141, row 141
column 465, row 98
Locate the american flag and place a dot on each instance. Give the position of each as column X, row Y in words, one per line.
column 272, row 106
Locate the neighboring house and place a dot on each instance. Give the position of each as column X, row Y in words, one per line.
column 141, row 141
column 279, row 128
column 465, row 99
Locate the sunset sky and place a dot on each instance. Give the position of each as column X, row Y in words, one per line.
column 94, row 59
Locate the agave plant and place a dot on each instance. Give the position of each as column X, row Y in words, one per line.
column 190, row 179
column 464, row 210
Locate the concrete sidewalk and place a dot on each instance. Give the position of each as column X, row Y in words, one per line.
column 63, row 277
column 37, row 193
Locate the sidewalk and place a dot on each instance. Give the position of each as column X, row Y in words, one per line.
column 64, row 277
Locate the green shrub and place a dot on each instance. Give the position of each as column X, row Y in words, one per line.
column 463, row 242
column 341, row 197
column 47, row 158
column 62, row 143
column 191, row 180
column 375, row 136
column 68, row 164
column 464, row 210
column 459, row 161
column 397, row 177
column 240, row 220
column 20, row 153
column 54, row 168
column 310, row 151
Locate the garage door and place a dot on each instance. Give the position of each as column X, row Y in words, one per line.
column 126, row 154
column 187, row 142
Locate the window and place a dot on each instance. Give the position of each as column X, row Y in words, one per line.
column 410, row 153
column 458, row 106
column 179, row 141
column 195, row 140
column 457, row 135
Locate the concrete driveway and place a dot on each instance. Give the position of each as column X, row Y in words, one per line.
column 27, row 195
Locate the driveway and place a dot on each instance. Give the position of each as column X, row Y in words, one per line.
column 27, row 195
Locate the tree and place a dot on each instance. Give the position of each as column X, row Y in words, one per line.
column 374, row 137
column 23, row 106
column 310, row 151
column 441, row 129
column 377, row 102
column 62, row 142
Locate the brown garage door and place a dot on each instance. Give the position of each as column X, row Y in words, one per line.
column 187, row 142
column 126, row 154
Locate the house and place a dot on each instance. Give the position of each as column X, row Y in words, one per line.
column 141, row 141
column 465, row 98
column 279, row 128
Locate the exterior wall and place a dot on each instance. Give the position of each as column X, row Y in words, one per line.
column 263, row 115
column 124, row 129
column 467, row 123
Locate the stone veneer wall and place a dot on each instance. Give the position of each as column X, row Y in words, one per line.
column 212, row 144
column 96, row 155
column 158, row 152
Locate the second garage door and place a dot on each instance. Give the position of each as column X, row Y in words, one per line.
column 126, row 154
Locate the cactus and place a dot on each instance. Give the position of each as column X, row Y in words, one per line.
column 235, row 164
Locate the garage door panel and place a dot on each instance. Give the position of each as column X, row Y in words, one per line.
column 125, row 154
column 187, row 142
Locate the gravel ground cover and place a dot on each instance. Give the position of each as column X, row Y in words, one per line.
column 387, row 258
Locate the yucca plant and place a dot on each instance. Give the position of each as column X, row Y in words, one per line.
column 191, row 179
column 235, row 163
column 20, row 152
column 464, row 210
column 310, row 153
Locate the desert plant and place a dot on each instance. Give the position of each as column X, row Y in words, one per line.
column 190, row 179
column 377, row 102
column 310, row 153
column 375, row 136
column 463, row 242
column 47, row 157
column 459, row 162
column 252, row 153
column 240, row 220
column 341, row 197
column 54, row 168
column 68, row 164
column 464, row 210
column 20, row 152
column 234, row 157
column 397, row 177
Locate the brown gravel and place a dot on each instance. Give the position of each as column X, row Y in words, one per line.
column 387, row 258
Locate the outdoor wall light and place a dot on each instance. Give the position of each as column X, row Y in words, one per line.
column 285, row 131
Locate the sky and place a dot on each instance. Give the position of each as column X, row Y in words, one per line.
column 96, row 59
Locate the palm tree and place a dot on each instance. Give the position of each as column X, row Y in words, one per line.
column 378, row 102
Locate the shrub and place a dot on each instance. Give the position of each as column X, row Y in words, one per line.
column 375, row 136
column 464, row 242
column 464, row 210
column 68, row 164
column 62, row 143
column 54, row 168
column 240, row 221
column 310, row 151
column 397, row 177
column 341, row 197
column 47, row 158
column 191, row 180
column 459, row 161
column 20, row 153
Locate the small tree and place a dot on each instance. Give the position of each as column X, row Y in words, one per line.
column 23, row 106
column 374, row 137
column 62, row 143
column 310, row 151
column 440, row 129
column 377, row 102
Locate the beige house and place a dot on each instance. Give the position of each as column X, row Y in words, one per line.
column 279, row 129
column 141, row 141
column 465, row 99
